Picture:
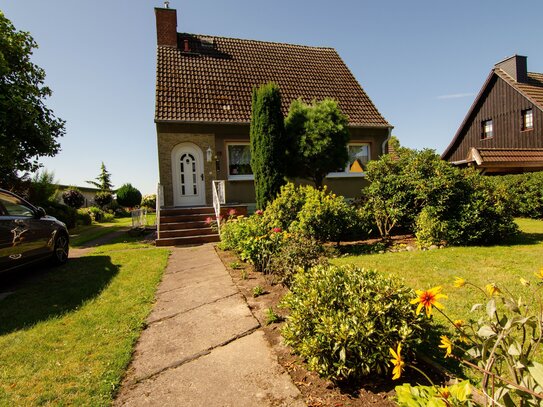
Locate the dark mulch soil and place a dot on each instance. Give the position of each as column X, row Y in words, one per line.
column 317, row 391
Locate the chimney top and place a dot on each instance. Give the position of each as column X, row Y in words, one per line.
column 515, row 66
column 166, row 26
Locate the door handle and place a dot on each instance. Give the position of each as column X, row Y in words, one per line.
column 202, row 176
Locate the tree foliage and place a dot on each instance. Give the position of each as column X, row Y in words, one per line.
column 28, row 129
column 128, row 196
column 317, row 136
column 267, row 143
column 103, row 181
column 42, row 188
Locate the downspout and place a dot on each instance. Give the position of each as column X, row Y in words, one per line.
column 387, row 139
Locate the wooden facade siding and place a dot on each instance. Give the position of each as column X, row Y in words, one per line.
column 504, row 105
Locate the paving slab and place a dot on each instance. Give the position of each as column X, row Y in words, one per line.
column 171, row 341
column 244, row 373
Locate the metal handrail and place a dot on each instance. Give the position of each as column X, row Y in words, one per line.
column 218, row 199
column 159, row 204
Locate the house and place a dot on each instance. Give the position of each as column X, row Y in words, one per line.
column 88, row 193
column 503, row 130
column 203, row 109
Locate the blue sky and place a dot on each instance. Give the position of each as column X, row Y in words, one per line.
column 421, row 62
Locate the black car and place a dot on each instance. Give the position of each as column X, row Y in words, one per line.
column 28, row 235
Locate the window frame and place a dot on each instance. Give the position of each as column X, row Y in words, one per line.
column 484, row 134
column 346, row 173
column 233, row 177
column 524, row 114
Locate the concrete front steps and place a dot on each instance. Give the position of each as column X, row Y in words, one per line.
column 188, row 226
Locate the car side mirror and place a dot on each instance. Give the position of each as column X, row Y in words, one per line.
column 40, row 212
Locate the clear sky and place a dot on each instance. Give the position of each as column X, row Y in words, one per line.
column 421, row 62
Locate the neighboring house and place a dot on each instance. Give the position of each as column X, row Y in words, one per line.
column 203, row 109
column 88, row 193
column 503, row 130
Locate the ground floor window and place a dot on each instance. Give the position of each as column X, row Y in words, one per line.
column 359, row 155
column 239, row 161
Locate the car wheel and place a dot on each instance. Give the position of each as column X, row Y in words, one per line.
column 60, row 252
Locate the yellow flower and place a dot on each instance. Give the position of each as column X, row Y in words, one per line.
column 444, row 392
column 539, row 274
column 447, row 345
column 459, row 282
column 492, row 289
column 524, row 282
column 459, row 323
column 397, row 362
column 427, row 299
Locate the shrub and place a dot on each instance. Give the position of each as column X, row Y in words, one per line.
column 237, row 230
column 128, row 196
column 84, row 217
column 62, row 212
column 522, row 192
column 103, row 198
column 343, row 320
column 325, row 217
column 297, row 253
column 96, row 214
column 285, row 208
column 260, row 250
column 42, row 188
column 149, row 202
column 73, row 198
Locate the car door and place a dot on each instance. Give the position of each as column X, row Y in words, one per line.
column 24, row 238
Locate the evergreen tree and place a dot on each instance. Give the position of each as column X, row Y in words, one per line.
column 268, row 146
column 103, row 181
column 317, row 136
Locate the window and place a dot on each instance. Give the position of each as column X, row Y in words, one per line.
column 487, row 129
column 527, row 119
column 239, row 161
column 14, row 207
column 359, row 155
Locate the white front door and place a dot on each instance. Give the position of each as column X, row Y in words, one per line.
column 188, row 175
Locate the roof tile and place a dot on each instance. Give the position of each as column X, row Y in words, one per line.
column 214, row 84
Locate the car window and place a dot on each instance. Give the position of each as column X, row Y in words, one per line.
column 14, row 207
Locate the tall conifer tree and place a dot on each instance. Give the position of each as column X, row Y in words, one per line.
column 267, row 143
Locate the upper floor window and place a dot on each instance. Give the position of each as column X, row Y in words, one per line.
column 239, row 161
column 487, row 129
column 527, row 119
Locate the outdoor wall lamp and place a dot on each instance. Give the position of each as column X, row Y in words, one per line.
column 209, row 154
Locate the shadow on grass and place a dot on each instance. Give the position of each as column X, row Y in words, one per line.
column 39, row 295
column 524, row 239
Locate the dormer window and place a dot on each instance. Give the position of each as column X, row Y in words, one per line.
column 527, row 119
column 487, row 129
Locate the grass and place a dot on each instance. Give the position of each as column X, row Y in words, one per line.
column 66, row 336
column 502, row 264
column 85, row 233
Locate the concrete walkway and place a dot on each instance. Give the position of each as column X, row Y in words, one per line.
column 202, row 345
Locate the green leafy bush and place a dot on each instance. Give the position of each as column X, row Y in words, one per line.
column 523, row 193
column 260, row 250
column 62, row 212
column 96, row 214
column 149, row 202
column 128, row 196
column 236, row 230
column 298, row 252
column 42, row 188
column 83, row 217
column 285, row 208
column 103, row 198
column 73, row 198
column 344, row 319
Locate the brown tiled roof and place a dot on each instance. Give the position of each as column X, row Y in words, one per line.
column 214, row 83
column 526, row 156
column 531, row 89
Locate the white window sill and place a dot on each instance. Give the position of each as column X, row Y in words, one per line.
column 346, row 175
column 247, row 177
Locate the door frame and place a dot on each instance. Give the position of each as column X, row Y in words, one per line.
column 177, row 151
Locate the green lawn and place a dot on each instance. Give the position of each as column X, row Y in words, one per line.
column 503, row 264
column 83, row 234
column 67, row 335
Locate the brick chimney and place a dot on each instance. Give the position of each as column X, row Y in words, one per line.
column 516, row 67
column 166, row 26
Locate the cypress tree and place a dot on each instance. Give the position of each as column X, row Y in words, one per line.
column 267, row 143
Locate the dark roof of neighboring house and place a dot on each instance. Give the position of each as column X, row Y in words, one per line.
column 213, row 81
column 532, row 89
column 498, row 159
